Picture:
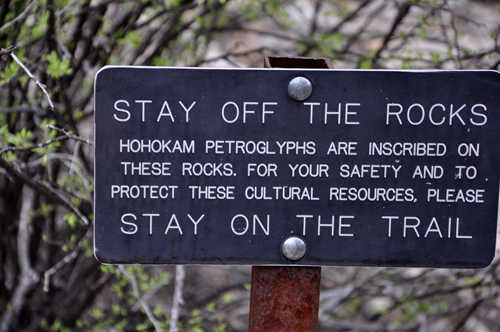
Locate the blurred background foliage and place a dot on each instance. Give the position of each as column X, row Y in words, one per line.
column 50, row 52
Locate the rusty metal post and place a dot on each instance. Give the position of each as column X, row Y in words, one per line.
column 286, row 298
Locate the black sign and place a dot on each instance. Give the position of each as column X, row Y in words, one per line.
column 374, row 168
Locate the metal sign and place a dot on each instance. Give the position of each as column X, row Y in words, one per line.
column 306, row 167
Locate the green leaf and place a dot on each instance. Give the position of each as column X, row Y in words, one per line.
column 227, row 298
column 72, row 219
column 116, row 308
column 40, row 151
column 470, row 281
column 132, row 38
column 221, row 327
column 75, row 200
column 9, row 156
column 175, row 3
column 57, row 325
column 436, row 56
column 57, row 67
column 9, row 72
column 96, row 313
column 141, row 327
column 407, row 64
column 365, row 64
column 46, row 209
column 158, row 311
column 211, row 306
column 443, row 305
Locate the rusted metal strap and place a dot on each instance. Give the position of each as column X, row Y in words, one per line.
column 286, row 298
column 297, row 62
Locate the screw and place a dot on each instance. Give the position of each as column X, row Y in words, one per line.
column 293, row 248
column 300, row 88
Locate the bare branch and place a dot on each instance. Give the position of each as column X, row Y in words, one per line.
column 65, row 260
column 31, row 147
column 403, row 10
column 67, row 203
column 137, row 295
column 19, row 18
column 57, row 267
column 7, row 50
column 70, row 135
column 43, row 189
column 44, row 144
column 179, row 284
column 28, row 72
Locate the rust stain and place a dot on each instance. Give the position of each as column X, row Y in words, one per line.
column 284, row 298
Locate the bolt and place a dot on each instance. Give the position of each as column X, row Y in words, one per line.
column 300, row 88
column 294, row 248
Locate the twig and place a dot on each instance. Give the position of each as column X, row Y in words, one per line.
column 43, row 189
column 7, row 50
column 67, row 160
column 75, row 155
column 65, row 260
column 68, row 203
column 467, row 315
column 404, row 9
column 179, row 284
column 354, row 14
column 19, row 18
column 34, row 146
column 30, row 75
column 69, row 5
column 159, row 284
column 102, row 280
column 455, row 43
column 343, row 325
column 333, row 299
column 43, row 144
column 143, row 303
column 70, row 135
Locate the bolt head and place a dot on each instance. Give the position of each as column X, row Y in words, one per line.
column 300, row 88
column 293, row 248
